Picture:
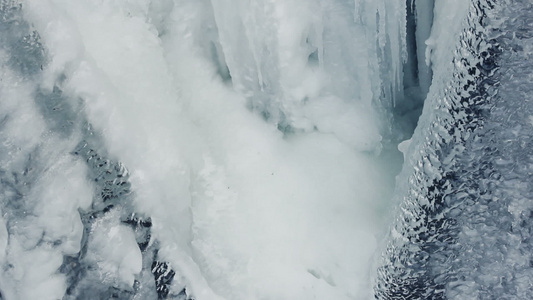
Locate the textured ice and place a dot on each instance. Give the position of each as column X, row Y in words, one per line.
column 198, row 149
column 462, row 229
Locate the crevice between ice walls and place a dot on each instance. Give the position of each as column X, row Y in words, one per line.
column 417, row 74
column 424, row 22
column 418, row 71
column 416, row 77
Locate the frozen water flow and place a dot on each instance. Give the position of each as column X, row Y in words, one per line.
column 250, row 137
column 201, row 149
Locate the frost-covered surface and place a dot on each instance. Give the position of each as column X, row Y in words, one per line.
column 463, row 227
column 241, row 149
column 195, row 149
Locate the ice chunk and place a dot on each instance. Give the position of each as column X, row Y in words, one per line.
column 403, row 147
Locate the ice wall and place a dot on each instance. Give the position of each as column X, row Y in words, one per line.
column 195, row 149
column 461, row 230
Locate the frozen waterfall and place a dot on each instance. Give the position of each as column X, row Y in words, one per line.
column 266, row 149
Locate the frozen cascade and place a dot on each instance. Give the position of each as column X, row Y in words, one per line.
column 245, row 149
column 211, row 143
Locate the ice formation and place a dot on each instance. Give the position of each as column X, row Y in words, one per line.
column 249, row 149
